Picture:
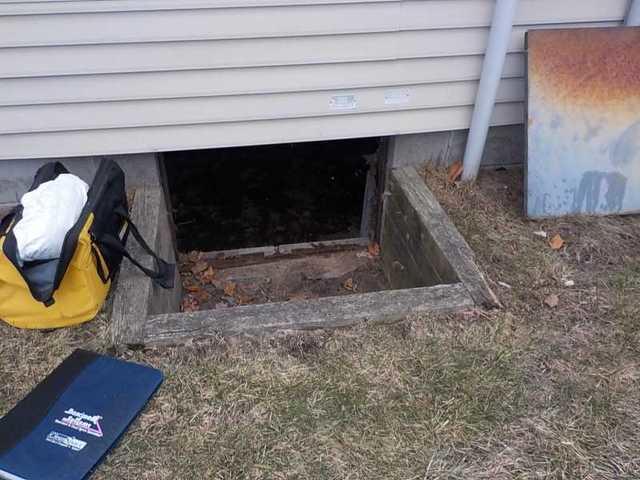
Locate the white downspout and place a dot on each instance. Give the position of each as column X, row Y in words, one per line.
column 499, row 38
column 633, row 16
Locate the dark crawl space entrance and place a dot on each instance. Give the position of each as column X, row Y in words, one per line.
column 268, row 195
column 276, row 223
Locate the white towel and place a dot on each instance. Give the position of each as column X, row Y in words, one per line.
column 48, row 213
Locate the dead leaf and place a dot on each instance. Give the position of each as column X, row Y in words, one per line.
column 202, row 296
column 242, row 298
column 557, row 242
column 208, row 275
column 189, row 304
column 199, row 267
column 349, row 285
column 189, row 287
column 374, row 249
column 454, row 171
column 194, row 256
column 230, row 289
column 552, row 301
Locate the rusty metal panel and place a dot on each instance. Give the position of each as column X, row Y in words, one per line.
column 583, row 131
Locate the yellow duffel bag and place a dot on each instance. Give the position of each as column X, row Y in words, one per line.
column 71, row 289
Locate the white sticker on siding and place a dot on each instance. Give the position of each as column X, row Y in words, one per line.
column 396, row 97
column 343, row 102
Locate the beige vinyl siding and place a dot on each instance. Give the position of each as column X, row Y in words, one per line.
column 122, row 76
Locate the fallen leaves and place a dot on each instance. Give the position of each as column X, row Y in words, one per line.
column 190, row 287
column 350, row 285
column 199, row 267
column 454, row 171
column 374, row 249
column 557, row 242
column 189, row 304
column 207, row 276
column 194, row 256
column 230, row 289
column 202, row 296
column 552, row 301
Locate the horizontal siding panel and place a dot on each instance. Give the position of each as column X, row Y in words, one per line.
column 10, row 7
column 178, row 25
column 202, row 83
column 466, row 12
column 67, row 60
column 283, row 21
column 92, row 116
column 150, row 139
column 478, row 13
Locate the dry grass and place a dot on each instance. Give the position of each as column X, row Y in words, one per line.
column 527, row 392
column 580, row 359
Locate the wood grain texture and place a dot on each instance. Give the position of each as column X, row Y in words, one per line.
column 163, row 300
column 330, row 312
column 133, row 288
column 403, row 244
column 438, row 237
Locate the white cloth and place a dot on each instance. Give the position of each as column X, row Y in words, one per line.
column 48, row 213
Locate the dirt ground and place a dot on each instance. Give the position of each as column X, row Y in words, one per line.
column 545, row 388
column 208, row 286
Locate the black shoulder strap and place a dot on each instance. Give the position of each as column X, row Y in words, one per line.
column 164, row 272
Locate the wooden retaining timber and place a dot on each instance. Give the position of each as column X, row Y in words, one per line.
column 329, row 312
column 431, row 237
column 429, row 265
column 136, row 296
column 253, row 255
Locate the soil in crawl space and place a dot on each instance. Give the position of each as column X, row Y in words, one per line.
column 311, row 276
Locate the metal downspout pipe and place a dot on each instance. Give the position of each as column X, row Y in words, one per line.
column 499, row 38
column 633, row 15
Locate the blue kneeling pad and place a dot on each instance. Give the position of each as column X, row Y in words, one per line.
column 64, row 427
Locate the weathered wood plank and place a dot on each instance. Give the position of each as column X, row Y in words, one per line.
column 370, row 199
column 399, row 267
column 137, row 296
column 161, row 299
column 254, row 255
column 330, row 312
column 408, row 187
column 133, row 288
column 404, row 240
column 418, row 239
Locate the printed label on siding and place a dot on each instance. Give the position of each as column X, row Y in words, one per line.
column 343, row 102
column 396, row 97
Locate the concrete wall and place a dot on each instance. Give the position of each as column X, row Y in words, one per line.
column 505, row 146
column 17, row 175
column 98, row 77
